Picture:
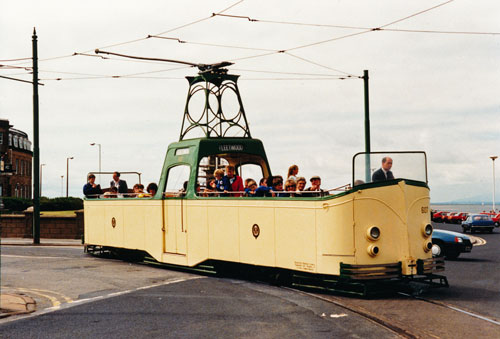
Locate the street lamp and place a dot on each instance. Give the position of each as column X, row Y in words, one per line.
column 493, row 158
column 62, row 180
column 67, row 174
column 41, row 165
column 93, row 144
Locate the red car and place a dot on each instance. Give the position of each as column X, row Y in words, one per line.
column 438, row 216
column 457, row 218
column 496, row 219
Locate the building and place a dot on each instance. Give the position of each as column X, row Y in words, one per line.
column 15, row 162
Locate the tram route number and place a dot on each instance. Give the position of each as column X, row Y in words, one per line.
column 304, row 266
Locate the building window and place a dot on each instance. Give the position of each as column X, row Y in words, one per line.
column 1, row 138
column 17, row 166
column 10, row 139
column 22, row 167
column 16, row 139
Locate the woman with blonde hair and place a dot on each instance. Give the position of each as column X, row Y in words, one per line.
column 292, row 172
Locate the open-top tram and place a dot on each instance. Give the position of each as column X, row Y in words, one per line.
column 368, row 231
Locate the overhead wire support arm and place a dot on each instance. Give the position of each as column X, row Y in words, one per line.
column 201, row 67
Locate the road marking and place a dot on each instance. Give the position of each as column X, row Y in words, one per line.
column 53, row 300
column 33, row 257
column 477, row 241
column 60, row 306
column 440, row 303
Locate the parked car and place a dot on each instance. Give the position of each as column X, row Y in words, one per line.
column 478, row 222
column 458, row 218
column 450, row 216
column 496, row 220
column 449, row 244
column 438, row 216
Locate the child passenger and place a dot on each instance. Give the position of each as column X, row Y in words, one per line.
column 251, row 190
column 235, row 181
column 222, row 183
column 263, row 190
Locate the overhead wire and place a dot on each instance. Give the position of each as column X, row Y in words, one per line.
column 18, row 59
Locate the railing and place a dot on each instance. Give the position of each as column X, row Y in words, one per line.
column 206, row 193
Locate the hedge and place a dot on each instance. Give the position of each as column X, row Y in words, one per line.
column 46, row 204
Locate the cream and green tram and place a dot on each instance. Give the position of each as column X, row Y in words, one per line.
column 368, row 231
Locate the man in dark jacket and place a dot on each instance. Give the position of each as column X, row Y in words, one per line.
column 91, row 190
column 384, row 173
column 120, row 184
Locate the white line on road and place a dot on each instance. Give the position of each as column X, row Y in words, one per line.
column 101, row 297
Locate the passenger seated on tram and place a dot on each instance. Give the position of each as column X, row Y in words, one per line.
column 221, row 182
column 251, row 190
column 301, row 185
column 182, row 191
column 234, row 180
column 138, row 188
column 278, row 187
column 211, row 188
column 91, row 189
column 315, row 190
column 263, row 190
column 290, row 186
column 152, row 189
column 112, row 193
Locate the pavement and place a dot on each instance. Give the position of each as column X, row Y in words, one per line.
column 13, row 304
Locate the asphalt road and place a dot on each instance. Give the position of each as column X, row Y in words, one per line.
column 108, row 298
column 474, row 277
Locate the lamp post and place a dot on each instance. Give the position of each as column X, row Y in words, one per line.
column 67, row 174
column 493, row 158
column 41, row 165
column 62, row 180
column 93, row 144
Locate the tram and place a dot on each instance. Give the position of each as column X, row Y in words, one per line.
column 369, row 231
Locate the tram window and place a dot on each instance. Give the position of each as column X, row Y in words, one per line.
column 253, row 171
column 207, row 167
column 176, row 178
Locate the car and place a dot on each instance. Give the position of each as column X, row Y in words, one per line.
column 449, row 244
column 496, row 219
column 478, row 222
column 438, row 216
column 457, row 218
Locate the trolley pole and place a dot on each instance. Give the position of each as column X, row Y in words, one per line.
column 367, row 128
column 36, row 147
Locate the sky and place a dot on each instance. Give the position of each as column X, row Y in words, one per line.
column 432, row 92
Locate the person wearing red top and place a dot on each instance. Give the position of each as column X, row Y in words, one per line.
column 235, row 181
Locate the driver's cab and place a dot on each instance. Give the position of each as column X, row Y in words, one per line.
column 190, row 164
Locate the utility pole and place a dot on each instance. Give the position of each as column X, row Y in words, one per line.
column 67, row 174
column 36, row 147
column 367, row 128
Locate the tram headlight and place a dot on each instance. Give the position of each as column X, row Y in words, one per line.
column 427, row 246
column 373, row 233
column 373, row 250
column 427, row 230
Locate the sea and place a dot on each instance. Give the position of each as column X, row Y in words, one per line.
column 471, row 208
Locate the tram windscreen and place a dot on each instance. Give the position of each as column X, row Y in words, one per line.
column 379, row 166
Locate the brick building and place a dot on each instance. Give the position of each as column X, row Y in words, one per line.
column 15, row 162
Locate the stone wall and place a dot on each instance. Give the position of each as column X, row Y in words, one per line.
column 51, row 227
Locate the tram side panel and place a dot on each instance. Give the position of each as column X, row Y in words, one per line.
column 335, row 234
column 295, row 223
column 257, row 236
